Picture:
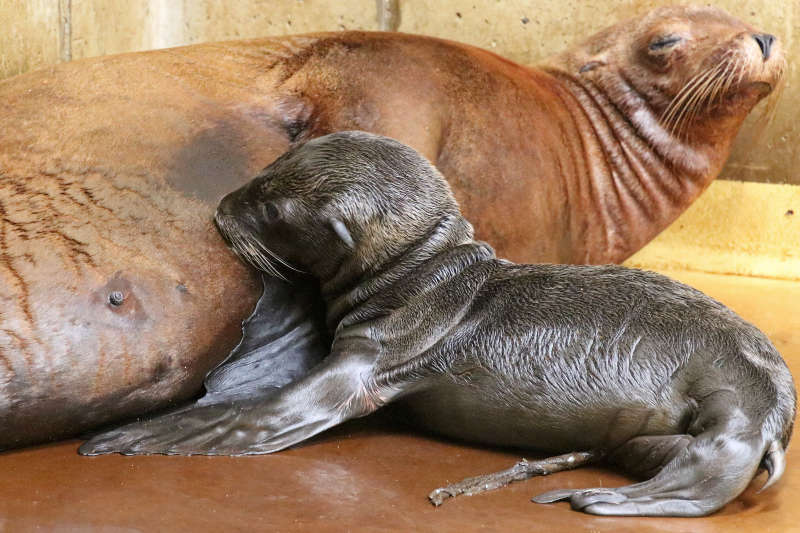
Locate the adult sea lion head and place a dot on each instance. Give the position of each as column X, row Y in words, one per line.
column 345, row 221
column 685, row 77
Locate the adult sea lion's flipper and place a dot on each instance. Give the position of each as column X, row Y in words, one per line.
column 282, row 340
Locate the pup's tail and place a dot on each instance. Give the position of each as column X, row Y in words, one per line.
column 774, row 462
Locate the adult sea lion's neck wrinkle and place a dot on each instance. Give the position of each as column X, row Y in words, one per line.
column 635, row 178
column 653, row 166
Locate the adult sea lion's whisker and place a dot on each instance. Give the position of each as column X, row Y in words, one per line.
column 679, row 98
column 709, row 92
column 679, row 104
column 690, row 100
column 722, row 83
column 686, row 92
column 701, row 98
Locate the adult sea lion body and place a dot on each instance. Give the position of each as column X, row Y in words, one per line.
column 118, row 298
column 612, row 363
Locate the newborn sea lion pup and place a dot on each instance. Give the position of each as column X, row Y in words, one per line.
column 603, row 363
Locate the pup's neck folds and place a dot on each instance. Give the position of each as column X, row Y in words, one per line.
column 348, row 292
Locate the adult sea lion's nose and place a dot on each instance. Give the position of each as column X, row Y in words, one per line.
column 764, row 41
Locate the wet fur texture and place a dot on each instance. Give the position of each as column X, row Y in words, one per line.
column 639, row 370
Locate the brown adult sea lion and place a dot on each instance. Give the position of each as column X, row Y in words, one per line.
column 117, row 296
column 613, row 363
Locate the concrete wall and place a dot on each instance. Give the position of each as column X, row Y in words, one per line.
column 742, row 228
column 110, row 26
column 29, row 35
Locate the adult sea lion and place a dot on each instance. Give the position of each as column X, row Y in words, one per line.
column 117, row 297
column 603, row 363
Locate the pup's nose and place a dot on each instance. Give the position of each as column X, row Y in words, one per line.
column 226, row 205
column 764, row 41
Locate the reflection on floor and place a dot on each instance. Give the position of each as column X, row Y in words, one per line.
column 370, row 475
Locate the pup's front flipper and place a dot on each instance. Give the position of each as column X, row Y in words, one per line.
column 282, row 340
column 519, row 472
column 334, row 391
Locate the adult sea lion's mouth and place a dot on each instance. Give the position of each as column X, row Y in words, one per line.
column 764, row 87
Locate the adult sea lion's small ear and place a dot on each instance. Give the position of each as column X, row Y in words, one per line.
column 341, row 230
column 591, row 65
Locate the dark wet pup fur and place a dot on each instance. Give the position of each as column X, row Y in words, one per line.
column 598, row 363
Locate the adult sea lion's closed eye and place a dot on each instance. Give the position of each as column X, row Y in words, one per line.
column 667, row 41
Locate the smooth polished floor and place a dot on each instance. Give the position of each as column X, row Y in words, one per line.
column 370, row 475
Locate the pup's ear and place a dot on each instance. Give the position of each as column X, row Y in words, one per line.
column 341, row 230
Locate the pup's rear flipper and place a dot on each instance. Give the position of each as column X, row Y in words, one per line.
column 774, row 463
column 281, row 342
column 697, row 477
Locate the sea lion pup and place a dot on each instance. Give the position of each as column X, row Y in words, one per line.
column 602, row 362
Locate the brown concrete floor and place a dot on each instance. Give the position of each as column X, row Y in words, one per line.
column 370, row 475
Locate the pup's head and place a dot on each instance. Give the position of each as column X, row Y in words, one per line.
column 348, row 196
